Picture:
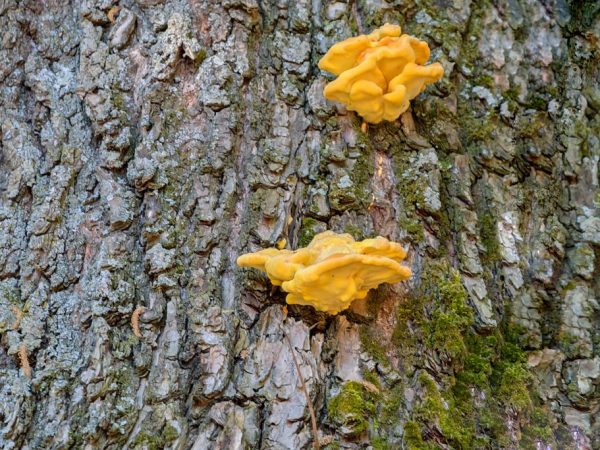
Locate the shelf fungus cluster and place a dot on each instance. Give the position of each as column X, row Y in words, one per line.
column 332, row 271
column 380, row 73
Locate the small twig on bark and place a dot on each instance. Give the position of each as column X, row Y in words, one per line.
column 18, row 316
column 135, row 320
column 311, row 409
column 24, row 360
column 113, row 13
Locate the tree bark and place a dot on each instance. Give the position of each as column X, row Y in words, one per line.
column 146, row 144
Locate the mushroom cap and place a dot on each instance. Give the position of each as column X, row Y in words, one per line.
column 332, row 271
column 378, row 74
column 344, row 55
column 333, row 284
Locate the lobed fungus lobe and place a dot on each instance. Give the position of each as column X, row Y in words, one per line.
column 332, row 271
column 379, row 73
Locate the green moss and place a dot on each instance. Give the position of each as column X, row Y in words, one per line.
column 437, row 122
column 122, row 342
column 478, row 362
column 567, row 342
column 373, row 378
column 148, row 441
column 436, row 315
column 413, row 228
column 307, row 232
column 78, row 422
column 583, row 14
column 333, row 122
column 413, row 439
column 374, row 18
column 478, row 129
column 436, row 319
column 361, row 175
column 510, row 349
column 512, row 93
column 379, row 443
column 353, row 25
column 393, row 400
column 513, row 390
column 538, row 429
column 411, row 193
column 171, row 120
column 489, row 237
column 432, row 405
column 486, row 81
column 537, row 102
column 200, row 57
column 434, row 409
column 372, row 345
column 497, row 367
column 359, row 166
column 12, row 297
column 454, row 316
column 410, row 319
column 170, row 433
column 485, row 377
column 388, row 404
column 353, row 407
column 118, row 100
column 356, row 232
column 533, row 125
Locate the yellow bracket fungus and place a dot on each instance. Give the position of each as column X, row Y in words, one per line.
column 380, row 73
column 332, row 271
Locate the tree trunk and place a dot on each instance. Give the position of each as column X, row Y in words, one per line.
column 147, row 144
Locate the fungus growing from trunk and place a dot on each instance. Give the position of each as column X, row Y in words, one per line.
column 332, row 271
column 380, row 73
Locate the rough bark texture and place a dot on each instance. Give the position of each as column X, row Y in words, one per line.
column 145, row 145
